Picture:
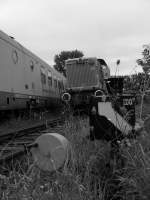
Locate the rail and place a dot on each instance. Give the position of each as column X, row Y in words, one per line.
column 14, row 144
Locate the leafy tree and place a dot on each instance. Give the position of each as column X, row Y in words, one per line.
column 64, row 55
column 145, row 60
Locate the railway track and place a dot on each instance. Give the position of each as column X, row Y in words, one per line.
column 15, row 144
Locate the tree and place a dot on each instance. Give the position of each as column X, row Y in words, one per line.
column 64, row 55
column 145, row 60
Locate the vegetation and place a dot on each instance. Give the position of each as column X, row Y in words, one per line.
column 64, row 55
column 89, row 175
column 137, row 82
column 145, row 60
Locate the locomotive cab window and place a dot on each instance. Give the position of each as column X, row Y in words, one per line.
column 43, row 76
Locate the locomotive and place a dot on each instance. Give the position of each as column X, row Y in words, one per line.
column 25, row 79
column 85, row 77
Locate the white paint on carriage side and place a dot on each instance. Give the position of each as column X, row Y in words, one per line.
column 106, row 109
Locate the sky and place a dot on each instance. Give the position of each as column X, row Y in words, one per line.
column 108, row 29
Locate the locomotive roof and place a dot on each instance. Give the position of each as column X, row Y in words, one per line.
column 82, row 58
column 74, row 60
column 92, row 59
column 11, row 41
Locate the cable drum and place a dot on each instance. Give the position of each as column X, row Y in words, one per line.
column 51, row 151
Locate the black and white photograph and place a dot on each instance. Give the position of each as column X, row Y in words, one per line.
column 74, row 100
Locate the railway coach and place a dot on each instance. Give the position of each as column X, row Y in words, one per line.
column 25, row 79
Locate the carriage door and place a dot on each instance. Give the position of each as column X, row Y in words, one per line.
column 32, row 77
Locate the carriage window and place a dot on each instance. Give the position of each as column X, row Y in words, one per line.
column 43, row 76
column 62, row 85
column 59, row 85
column 50, row 78
column 33, row 85
column 31, row 65
column 55, row 83
column 26, row 86
column 15, row 56
column 7, row 100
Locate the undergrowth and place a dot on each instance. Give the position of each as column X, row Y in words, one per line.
column 89, row 174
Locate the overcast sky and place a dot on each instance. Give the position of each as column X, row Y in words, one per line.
column 109, row 29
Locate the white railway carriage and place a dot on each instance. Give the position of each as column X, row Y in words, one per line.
column 25, row 78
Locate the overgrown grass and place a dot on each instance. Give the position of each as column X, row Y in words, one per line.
column 89, row 174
